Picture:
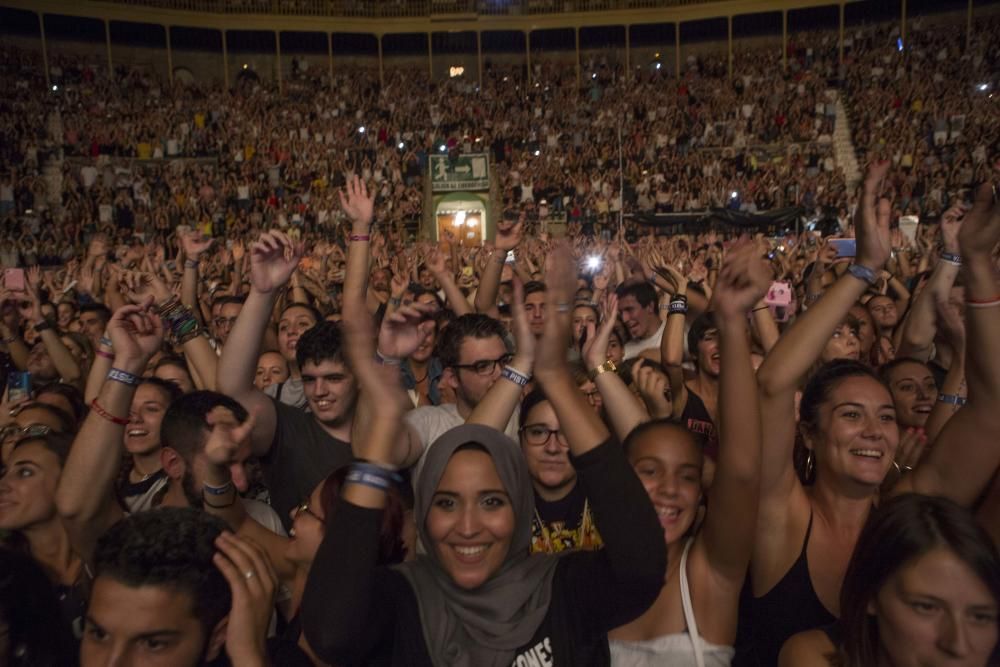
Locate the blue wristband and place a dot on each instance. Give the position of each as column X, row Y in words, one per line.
column 951, row 258
column 368, row 478
column 124, row 377
column 863, row 273
column 515, row 376
column 217, row 490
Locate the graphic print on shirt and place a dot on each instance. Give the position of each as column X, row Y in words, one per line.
column 539, row 655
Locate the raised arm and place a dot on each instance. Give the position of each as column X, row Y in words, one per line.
column 916, row 336
column 508, row 238
column 436, row 265
column 62, row 359
column 730, row 525
column 583, row 427
column 796, row 351
column 624, row 410
column 965, row 456
column 194, row 245
column 400, row 334
column 672, row 342
column 341, row 615
column 85, row 498
column 503, row 397
column 273, row 258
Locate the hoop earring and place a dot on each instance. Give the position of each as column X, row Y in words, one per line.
column 810, row 466
column 899, row 470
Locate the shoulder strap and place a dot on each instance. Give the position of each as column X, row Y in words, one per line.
column 689, row 620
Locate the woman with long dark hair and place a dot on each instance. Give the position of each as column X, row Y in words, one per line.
column 923, row 588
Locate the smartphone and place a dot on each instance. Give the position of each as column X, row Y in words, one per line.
column 18, row 386
column 845, row 247
column 13, row 279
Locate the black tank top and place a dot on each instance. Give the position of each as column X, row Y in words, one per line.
column 696, row 419
column 765, row 623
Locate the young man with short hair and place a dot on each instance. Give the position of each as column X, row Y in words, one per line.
column 637, row 305
column 171, row 587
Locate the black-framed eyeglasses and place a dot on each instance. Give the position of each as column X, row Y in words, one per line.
column 537, row 435
column 303, row 508
column 486, row 366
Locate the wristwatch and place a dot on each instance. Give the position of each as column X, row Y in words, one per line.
column 607, row 366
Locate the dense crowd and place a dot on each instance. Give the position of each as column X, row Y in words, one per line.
column 249, row 420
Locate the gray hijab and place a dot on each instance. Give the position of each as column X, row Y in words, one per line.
column 481, row 627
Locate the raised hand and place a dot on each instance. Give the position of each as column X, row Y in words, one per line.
column 252, row 582
column 404, row 330
column 435, row 262
column 951, row 225
column 524, row 340
column 138, row 285
column 509, row 235
column 653, row 388
column 273, row 259
column 595, row 348
column 560, row 282
column 194, row 244
column 358, row 205
column 742, row 281
column 871, row 220
column 980, row 228
column 136, row 334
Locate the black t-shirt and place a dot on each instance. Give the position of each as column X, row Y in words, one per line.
column 301, row 456
column 355, row 612
column 562, row 525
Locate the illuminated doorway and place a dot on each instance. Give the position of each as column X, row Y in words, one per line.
column 466, row 226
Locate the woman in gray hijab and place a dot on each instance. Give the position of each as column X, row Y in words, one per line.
column 477, row 598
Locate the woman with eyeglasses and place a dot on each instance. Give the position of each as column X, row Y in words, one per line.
column 562, row 520
column 28, row 483
column 32, row 418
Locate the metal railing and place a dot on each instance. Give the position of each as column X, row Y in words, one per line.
column 402, row 8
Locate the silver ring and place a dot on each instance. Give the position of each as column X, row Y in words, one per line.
column 564, row 307
column 249, row 574
column 907, row 468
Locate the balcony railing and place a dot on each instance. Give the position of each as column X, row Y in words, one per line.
column 402, row 8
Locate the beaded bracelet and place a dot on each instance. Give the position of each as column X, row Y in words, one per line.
column 99, row 409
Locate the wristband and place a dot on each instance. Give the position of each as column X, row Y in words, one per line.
column 190, row 264
column 106, row 342
column 217, row 490
column 395, row 301
column 863, row 273
column 371, row 476
column 118, row 375
column 606, row 367
column 386, row 361
column 102, row 353
column 515, row 376
column 951, row 258
column 952, row 399
column 42, row 326
column 353, row 238
column 96, row 407
column 677, row 308
column 377, row 469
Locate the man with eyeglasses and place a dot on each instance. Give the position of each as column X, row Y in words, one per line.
column 225, row 310
column 474, row 353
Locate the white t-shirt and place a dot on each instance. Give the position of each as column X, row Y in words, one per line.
column 432, row 421
column 634, row 347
